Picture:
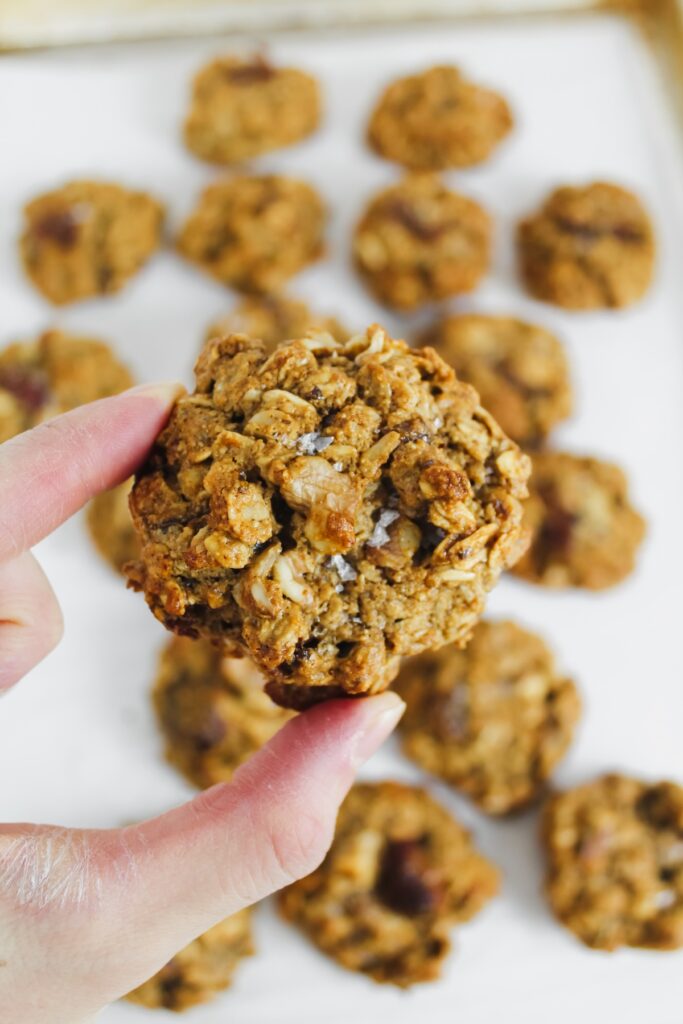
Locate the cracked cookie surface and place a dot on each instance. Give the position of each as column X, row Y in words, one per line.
column 615, row 862
column 88, row 238
column 54, row 373
column 438, row 119
column 494, row 719
column 519, row 369
column 326, row 509
column 212, row 710
column 244, row 106
column 201, row 970
column 255, row 232
column 400, row 873
column 111, row 527
column 588, row 248
column 584, row 531
column 274, row 319
column 418, row 242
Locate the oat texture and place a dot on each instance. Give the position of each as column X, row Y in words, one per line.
column 274, row 319
column 615, row 862
column 326, row 509
column 584, row 530
column 244, row 106
column 52, row 374
column 212, row 710
column 418, row 242
column 519, row 369
column 438, row 119
column 588, row 248
column 255, row 232
column 493, row 719
column 400, row 874
column 88, row 238
column 201, row 970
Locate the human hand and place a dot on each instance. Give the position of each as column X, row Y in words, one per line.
column 86, row 915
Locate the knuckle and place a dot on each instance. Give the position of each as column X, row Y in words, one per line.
column 299, row 843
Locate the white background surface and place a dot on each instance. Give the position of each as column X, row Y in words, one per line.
column 77, row 741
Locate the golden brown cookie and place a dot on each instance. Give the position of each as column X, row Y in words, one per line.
column 400, row 873
column 88, row 238
column 615, row 862
column 438, row 119
column 274, row 319
column 201, row 970
column 111, row 527
column 244, row 106
column 254, row 233
column 326, row 509
column 519, row 369
column 493, row 719
column 418, row 242
column 588, row 248
column 53, row 374
column 584, row 531
column 212, row 710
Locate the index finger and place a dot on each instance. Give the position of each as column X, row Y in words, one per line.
column 50, row 472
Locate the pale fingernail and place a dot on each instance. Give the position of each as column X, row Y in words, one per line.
column 165, row 391
column 387, row 710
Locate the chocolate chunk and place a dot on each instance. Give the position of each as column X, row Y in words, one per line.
column 404, row 884
column 407, row 216
column 60, row 226
column 28, row 385
column 258, row 70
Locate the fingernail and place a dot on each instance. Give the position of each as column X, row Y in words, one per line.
column 387, row 709
column 165, row 391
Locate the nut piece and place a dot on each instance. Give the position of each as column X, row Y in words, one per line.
column 399, row 874
column 244, row 106
column 436, row 120
column 254, row 233
column 590, row 247
column 417, row 242
column 326, row 509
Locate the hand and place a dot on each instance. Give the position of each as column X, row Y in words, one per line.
column 86, row 915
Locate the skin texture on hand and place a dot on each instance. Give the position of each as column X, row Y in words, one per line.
column 87, row 915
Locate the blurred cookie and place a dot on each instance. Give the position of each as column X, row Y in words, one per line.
column 274, row 319
column 111, row 527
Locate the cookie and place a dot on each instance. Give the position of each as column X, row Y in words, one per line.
column 326, row 509
column 493, row 720
column 591, row 247
column 54, row 373
column 400, row 873
column 274, row 319
column 244, row 106
column 212, row 710
column 584, row 531
column 615, row 862
column 88, row 238
column 111, row 527
column 254, row 233
column 418, row 242
column 438, row 119
column 519, row 369
column 201, row 970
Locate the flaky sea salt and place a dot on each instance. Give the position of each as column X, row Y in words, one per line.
column 314, row 443
column 379, row 536
column 345, row 571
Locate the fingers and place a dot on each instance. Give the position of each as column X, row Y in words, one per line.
column 30, row 619
column 48, row 473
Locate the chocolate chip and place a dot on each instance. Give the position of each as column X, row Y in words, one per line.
column 404, row 884
column 556, row 533
column 28, row 385
column 257, row 70
column 211, row 731
column 170, row 984
column 402, row 212
column 60, row 226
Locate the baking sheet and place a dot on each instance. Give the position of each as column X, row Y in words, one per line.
column 77, row 741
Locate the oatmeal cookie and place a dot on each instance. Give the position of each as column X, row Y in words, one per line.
column 111, row 527
column 400, row 873
column 418, row 242
column 201, row 970
column 212, row 710
column 244, row 106
column 254, row 233
column 588, row 248
column 88, row 238
column 53, row 374
column 274, row 319
column 493, row 719
column 326, row 509
column 437, row 119
column 584, row 531
column 615, row 862
column 520, row 371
